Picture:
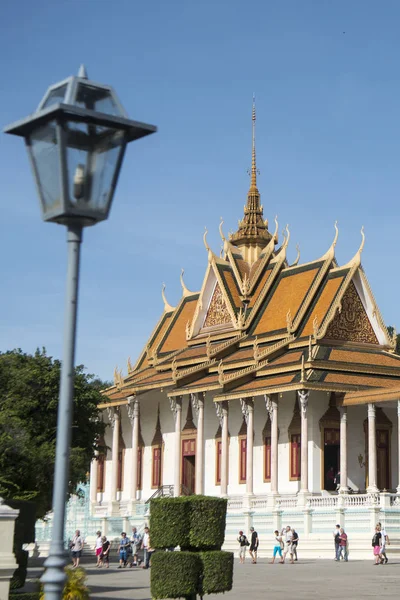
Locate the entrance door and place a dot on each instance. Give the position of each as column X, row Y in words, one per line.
column 382, row 459
column 331, row 457
column 189, row 464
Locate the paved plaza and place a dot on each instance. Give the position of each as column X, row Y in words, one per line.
column 303, row 580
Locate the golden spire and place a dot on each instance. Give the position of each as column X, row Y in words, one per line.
column 252, row 229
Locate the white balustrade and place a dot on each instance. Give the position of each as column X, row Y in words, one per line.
column 235, row 503
column 259, row 503
column 322, row 501
column 357, row 500
column 395, row 500
column 288, row 502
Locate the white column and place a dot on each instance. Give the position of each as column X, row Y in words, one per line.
column 274, row 444
column 198, row 404
column 249, row 446
column 114, row 416
column 398, row 445
column 134, row 415
column 343, row 450
column 303, row 398
column 176, row 407
column 93, row 478
column 222, row 413
column 372, row 472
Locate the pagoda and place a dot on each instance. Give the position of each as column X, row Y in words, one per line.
column 276, row 385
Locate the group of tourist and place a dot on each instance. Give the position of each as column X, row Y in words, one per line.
column 379, row 541
column 284, row 543
column 128, row 549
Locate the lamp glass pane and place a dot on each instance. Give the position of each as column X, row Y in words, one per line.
column 55, row 96
column 97, row 98
column 45, row 155
column 92, row 158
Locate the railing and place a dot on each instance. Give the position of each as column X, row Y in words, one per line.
column 322, row 501
column 395, row 500
column 163, row 491
column 357, row 500
column 290, row 502
column 259, row 503
column 235, row 503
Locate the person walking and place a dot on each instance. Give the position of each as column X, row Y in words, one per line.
column 98, row 548
column 336, row 541
column 253, row 545
column 288, row 545
column 243, row 543
column 384, row 540
column 105, row 550
column 376, row 544
column 278, row 546
column 136, row 540
column 76, row 549
column 343, row 545
column 124, row 544
column 295, row 541
column 145, row 547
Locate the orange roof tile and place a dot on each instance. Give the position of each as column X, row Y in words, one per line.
column 233, row 288
column 163, row 376
column 263, row 382
column 242, row 354
column 175, row 336
column 289, row 294
column 263, row 280
column 361, row 380
column 323, row 303
column 197, row 351
column 286, row 358
column 365, row 358
column 207, row 379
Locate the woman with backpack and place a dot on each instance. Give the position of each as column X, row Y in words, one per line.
column 376, row 544
column 243, row 543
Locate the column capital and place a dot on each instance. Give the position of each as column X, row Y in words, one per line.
column 247, row 405
column 133, row 408
column 114, row 414
column 222, row 410
column 197, row 401
column 176, row 404
column 398, row 408
column 303, row 398
column 343, row 413
column 371, row 411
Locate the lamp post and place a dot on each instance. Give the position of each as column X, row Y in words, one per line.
column 76, row 142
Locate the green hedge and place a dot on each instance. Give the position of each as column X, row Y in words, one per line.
column 217, row 567
column 26, row 596
column 196, row 522
column 174, row 574
column 169, row 522
column 207, row 522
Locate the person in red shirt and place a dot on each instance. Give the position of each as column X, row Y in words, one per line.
column 343, row 545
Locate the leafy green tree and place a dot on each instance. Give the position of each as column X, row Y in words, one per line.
column 29, row 387
column 391, row 332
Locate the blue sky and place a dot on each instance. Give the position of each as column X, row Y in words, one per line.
column 325, row 75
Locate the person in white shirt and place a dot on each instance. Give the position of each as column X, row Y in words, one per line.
column 98, row 548
column 145, row 546
column 288, row 544
column 384, row 540
column 76, row 546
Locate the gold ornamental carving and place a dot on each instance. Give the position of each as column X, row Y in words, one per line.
column 217, row 313
column 352, row 323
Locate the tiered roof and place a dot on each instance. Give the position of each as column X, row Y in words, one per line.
column 259, row 325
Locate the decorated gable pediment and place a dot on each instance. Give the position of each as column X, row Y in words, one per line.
column 217, row 313
column 351, row 324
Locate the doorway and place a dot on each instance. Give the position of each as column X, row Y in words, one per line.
column 189, row 465
column 382, row 459
column 331, row 457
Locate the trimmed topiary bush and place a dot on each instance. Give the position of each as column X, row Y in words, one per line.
column 217, row 568
column 170, row 522
column 174, row 574
column 207, row 522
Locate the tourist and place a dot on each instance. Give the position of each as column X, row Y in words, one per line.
column 288, row 545
column 145, row 547
column 98, row 547
column 330, row 478
column 336, row 540
column 105, row 550
column 243, row 543
column 295, row 541
column 124, row 545
column 76, row 546
column 278, row 546
column 336, row 481
column 136, row 539
column 376, row 544
column 253, row 545
column 384, row 540
column 342, row 545
column 149, row 553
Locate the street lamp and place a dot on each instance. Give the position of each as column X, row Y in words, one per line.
column 76, row 142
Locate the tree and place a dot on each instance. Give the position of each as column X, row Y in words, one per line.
column 391, row 331
column 29, row 387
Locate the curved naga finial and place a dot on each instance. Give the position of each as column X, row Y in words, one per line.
column 205, row 239
column 296, row 262
column 361, row 248
column 221, row 233
column 275, row 235
column 185, row 291
column 167, row 306
column 336, row 235
column 287, row 237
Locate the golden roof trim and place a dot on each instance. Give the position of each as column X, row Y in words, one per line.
column 167, row 307
column 371, row 396
column 269, row 249
column 347, row 367
column 185, row 292
column 376, row 310
column 184, row 373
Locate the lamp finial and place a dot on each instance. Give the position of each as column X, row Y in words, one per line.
column 82, row 73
